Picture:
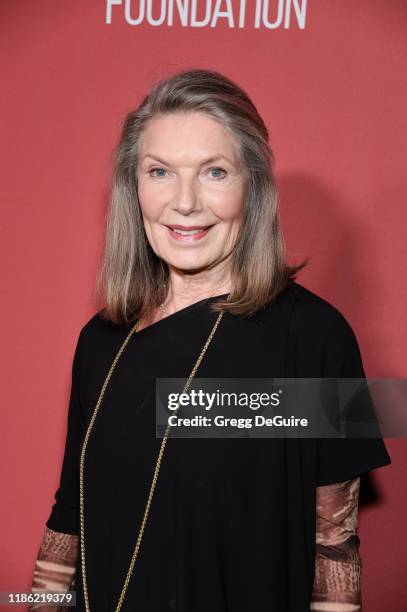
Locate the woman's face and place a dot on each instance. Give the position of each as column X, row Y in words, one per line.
column 190, row 179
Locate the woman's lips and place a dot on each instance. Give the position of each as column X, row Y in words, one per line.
column 190, row 237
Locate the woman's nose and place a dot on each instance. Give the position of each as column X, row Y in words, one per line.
column 186, row 196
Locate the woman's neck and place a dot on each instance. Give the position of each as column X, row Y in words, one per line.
column 187, row 288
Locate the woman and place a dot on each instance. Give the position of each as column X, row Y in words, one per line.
column 194, row 248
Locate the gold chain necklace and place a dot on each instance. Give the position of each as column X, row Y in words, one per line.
column 154, row 480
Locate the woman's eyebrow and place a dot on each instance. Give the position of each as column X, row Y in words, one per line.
column 206, row 161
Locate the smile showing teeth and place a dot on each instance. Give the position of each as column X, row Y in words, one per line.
column 188, row 235
column 187, row 232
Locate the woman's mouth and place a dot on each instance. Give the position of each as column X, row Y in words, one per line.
column 188, row 234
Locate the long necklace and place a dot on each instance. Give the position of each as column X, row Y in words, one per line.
column 155, row 475
column 164, row 310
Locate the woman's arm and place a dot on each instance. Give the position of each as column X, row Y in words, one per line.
column 55, row 565
column 337, row 561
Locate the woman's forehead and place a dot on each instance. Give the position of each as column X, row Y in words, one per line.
column 195, row 137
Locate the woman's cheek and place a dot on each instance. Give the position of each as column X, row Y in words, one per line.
column 150, row 204
column 227, row 205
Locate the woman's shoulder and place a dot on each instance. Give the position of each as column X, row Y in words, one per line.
column 310, row 314
column 313, row 315
column 100, row 334
column 321, row 337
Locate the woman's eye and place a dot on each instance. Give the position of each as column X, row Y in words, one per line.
column 217, row 170
column 157, row 170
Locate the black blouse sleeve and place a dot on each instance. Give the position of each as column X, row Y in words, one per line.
column 341, row 459
column 64, row 516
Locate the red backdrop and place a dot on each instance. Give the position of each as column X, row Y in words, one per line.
column 331, row 87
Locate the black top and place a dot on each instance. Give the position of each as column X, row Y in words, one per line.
column 232, row 521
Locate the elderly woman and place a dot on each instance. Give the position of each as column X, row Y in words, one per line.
column 194, row 281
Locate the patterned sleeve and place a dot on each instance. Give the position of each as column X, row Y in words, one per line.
column 55, row 566
column 337, row 561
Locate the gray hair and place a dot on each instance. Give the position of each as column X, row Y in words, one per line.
column 131, row 278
